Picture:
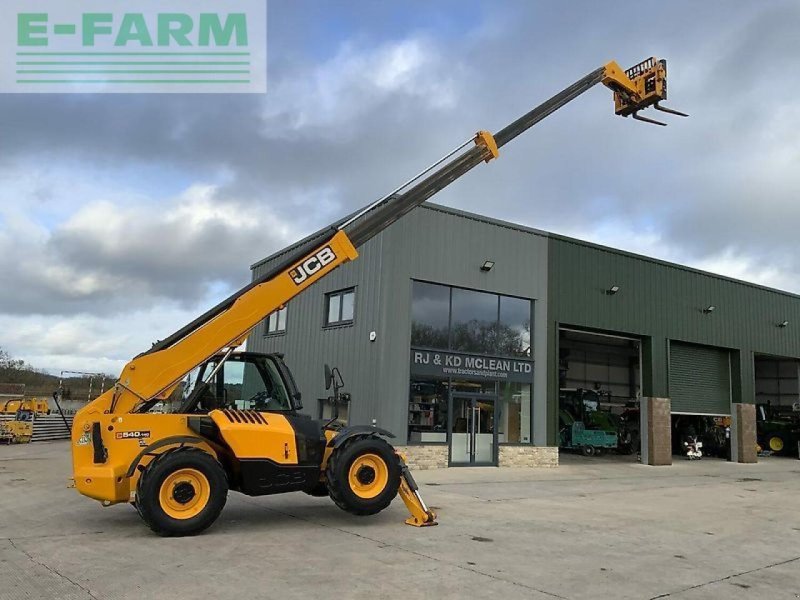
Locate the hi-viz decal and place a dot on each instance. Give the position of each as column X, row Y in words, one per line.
column 312, row 265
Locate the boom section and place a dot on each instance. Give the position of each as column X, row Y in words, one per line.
column 155, row 374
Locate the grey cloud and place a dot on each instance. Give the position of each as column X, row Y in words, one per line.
column 108, row 259
column 694, row 182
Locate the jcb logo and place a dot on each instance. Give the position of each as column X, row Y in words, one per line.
column 312, row 265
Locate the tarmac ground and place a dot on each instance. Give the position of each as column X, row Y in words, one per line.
column 592, row 528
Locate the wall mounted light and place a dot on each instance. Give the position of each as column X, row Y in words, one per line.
column 783, row 324
column 487, row 266
column 612, row 290
column 709, row 309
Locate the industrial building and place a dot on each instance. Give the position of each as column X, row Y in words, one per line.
column 462, row 334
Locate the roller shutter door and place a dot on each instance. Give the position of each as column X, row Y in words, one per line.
column 699, row 379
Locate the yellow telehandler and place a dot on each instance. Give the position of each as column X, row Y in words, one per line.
column 34, row 405
column 237, row 425
column 19, row 430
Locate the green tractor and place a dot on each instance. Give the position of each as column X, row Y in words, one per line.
column 778, row 428
column 582, row 426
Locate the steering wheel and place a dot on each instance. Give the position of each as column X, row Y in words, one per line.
column 261, row 400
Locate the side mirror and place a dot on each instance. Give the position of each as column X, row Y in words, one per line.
column 336, row 376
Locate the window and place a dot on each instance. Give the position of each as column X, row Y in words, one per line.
column 430, row 315
column 427, row 411
column 251, row 383
column 474, row 322
column 276, row 321
column 340, row 307
column 514, row 327
column 450, row 318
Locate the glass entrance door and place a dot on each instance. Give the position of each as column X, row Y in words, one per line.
column 473, row 438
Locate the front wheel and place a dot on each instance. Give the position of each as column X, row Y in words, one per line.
column 363, row 475
column 181, row 492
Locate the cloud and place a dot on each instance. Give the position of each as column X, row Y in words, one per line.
column 112, row 206
column 331, row 100
column 108, row 258
column 89, row 343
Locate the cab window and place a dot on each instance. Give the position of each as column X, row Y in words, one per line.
column 254, row 385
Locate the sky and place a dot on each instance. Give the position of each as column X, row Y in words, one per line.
column 122, row 217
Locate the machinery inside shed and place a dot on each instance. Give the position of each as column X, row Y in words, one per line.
column 777, row 381
column 599, row 390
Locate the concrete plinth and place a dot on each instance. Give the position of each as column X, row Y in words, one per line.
column 743, row 433
column 656, row 430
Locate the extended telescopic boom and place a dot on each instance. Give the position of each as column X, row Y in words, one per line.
column 153, row 374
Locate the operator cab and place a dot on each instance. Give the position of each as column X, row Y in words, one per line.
column 243, row 381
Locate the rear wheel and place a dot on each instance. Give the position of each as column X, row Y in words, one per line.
column 181, row 492
column 363, row 475
column 588, row 450
column 775, row 443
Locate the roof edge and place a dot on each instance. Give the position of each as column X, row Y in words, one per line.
column 550, row 235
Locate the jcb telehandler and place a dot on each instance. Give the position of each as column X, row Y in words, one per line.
column 237, row 426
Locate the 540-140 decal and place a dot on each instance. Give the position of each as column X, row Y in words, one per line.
column 132, row 435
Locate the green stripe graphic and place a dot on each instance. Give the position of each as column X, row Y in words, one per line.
column 131, row 62
column 133, row 81
column 105, row 71
column 133, row 54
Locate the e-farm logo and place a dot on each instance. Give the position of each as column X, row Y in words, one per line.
column 124, row 46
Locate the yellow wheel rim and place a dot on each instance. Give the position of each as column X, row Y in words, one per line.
column 184, row 493
column 775, row 444
column 368, row 476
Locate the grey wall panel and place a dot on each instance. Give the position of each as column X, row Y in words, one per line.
column 449, row 247
column 308, row 345
column 432, row 244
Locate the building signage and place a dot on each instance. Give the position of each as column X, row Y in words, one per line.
column 434, row 363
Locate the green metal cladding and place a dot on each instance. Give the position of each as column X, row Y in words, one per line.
column 664, row 303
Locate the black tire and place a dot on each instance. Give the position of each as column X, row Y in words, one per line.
column 588, row 450
column 320, row 490
column 348, row 497
column 212, row 480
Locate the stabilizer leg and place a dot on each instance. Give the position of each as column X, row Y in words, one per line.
column 421, row 515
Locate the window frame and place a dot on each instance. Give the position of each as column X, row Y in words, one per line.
column 276, row 314
column 340, row 294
